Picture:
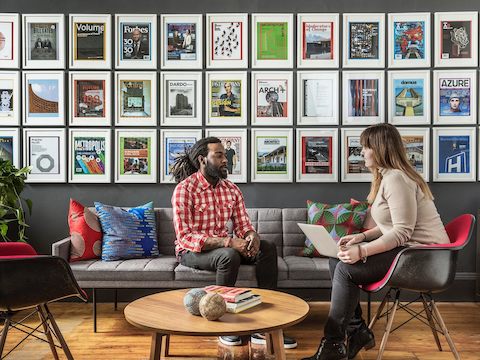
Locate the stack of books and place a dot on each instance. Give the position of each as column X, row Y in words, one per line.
column 237, row 299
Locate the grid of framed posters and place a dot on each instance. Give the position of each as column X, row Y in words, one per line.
column 235, row 143
column 9, row 98
column 9, row 49
column 417, row 145
column 135, row 156
column 173, row 144
column 44, row 151
column 271, row 156
column 89, row 156
column 9, row 146
column 353, row 163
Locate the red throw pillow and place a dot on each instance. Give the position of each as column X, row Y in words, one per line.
column 85, row 232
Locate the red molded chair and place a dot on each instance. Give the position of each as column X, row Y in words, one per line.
column 423, row 269
column 29, row 281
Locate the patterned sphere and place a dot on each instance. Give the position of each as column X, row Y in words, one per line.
column 212, row 306
column 191, row 300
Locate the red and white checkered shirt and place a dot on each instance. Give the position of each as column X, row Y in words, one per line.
column 201, row 211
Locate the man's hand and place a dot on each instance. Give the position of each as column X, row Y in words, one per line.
column 253, row 244
column 240, row 245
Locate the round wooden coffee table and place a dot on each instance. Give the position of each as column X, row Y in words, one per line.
column 164, row 315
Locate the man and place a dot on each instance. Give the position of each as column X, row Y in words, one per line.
column 227, row 107
column 139, row 48
column 203, row 202
column 454, row 103
column 231, row 157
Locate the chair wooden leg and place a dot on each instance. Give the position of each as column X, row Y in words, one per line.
column 94, row 300
column 379, row 310
column 444, row 329
column 428, row 312
column 60, row 338
column 46, row 329
column 3, row 337
column 115, row 307
column 389, row 326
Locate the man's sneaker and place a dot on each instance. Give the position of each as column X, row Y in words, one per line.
column 259, row 339
column 230, row 340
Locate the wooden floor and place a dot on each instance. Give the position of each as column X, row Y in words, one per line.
column 116, row 339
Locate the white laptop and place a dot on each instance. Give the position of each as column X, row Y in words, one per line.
column 321, row 239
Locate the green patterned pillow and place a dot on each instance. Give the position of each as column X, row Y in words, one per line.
column 338, row 219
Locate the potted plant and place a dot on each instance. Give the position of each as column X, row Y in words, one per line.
column 12, row 214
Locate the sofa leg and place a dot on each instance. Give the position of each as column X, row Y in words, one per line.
column 116, row 300
column 94, row 298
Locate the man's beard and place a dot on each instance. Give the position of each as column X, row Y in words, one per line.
column 216, row 173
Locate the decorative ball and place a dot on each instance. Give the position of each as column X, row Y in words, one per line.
column 191, row 300
column 212, row 306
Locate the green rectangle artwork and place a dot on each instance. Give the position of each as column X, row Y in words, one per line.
column 272, row 38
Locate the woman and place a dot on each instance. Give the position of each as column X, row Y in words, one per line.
column 403, row 209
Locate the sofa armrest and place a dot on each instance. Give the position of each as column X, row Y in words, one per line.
column 62, row 248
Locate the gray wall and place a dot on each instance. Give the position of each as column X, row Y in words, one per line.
column 48, row 222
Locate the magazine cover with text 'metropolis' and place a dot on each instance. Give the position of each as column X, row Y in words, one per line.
column 6, row 148
column 89, row 155
column 364, row 40
column 135, row 41
column 226, row 98
column 89, row 40
column 271, row 154
column 409, row 97
column 409, row 40
column 182, row 41
column 317, row 154
column 455, row 96
column 43, row 41
column 6, row 40
column 135, row 98
column 454, row 154
column 272, row 98
column 317, row 40
column 355, row 160
column 44, row 154
column 456, row 40
column 227, row 40
column 135, row 155
column 414, row 147
column 89, row 98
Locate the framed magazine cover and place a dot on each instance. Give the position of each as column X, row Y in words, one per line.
column 44, row 151
column 135, row 98
column 364, row 40
column 409, row 40
column 90, row 98
column 226, row 98
column 10, row 49
column 135, row 156
column 363, row 97
column 454, row 154
column 456, row 39
column 136, row 41
column 181, row 42
column 10, row 98
column 272, row 41
column 272, row 98
column 353, row 163
column 10, row 146
column 44, row 41
column 90, row 41
column 454, row 97
column 317, row 98
column 318, row 40
column 181, row 101
column 227, row 41
column 235, row 144
column 317, row 155
column 43, row 98
column 89, row 156
column 417, row 145
column 272, row 155
column 409, row 97
column 174, row 143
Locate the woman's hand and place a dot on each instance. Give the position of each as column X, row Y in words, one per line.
column 349, row 240
column 349, row 255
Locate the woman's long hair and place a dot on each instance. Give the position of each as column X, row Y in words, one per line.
column 389, row 153
column 187, row 163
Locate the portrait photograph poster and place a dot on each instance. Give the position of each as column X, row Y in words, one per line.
column 10, row 48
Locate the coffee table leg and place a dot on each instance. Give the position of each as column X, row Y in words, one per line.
column 277, row 342
column 156, row 348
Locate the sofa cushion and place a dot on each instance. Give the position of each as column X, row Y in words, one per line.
column 293, row 236
column 304, row 268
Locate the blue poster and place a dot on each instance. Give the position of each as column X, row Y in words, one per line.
column 454, row 154
column 408, row 97
column 174, row 148
column 455, row 97
column 409, row 40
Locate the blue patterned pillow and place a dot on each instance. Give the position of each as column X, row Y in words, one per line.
column 127, row 233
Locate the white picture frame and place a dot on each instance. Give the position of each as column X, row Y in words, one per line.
column 353, row 164
column 418, row 155
column 269, row 60
column 129, row 52
column 10, row 96
column 227, row 41
column 10, row 145
column 216, row 90
column 448, row 143
column 90, row 98
column 264, row 142
column 317, row 148
column 44, row 150
column 409, row 40
column 138, row 163
column 85, row 161
column 317, row 97
column 314, row 27
column 358, row 108
column 450, row 89
column 141, row 109
column 47, row 106
column 43, row 41
column 462, row 51
column 236, row 151
column 409, row 97
column 190, row 85
column 10, row 53
column 173, row 142
column 100, row 26
column 273, row 83
column 192, row 42
column 354, row 54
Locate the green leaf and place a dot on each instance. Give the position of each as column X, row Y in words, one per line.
column 29, row 205
column 328, row 217
column 343, row 217
column 3, row 229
